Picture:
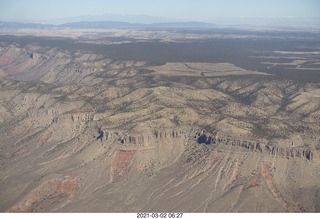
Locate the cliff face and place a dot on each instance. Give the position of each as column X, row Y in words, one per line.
column 60, row 66
column 141, row 139
column 91, row 129
column 258, row 147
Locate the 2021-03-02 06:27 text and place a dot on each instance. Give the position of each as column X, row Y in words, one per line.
column 159, row 215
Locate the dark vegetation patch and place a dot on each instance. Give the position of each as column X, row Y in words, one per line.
column 240, row 52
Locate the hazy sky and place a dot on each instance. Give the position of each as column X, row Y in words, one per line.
column 201, row 10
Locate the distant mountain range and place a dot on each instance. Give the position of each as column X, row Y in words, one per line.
column 269, row 22
column 19, row 25
column 101, row 24
column 145, row 19
column 90, row 22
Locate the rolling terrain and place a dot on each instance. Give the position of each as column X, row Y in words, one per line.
column 84, row 128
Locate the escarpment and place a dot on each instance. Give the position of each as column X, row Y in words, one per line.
column 53, row 65
column 188, row 136
column 142, row 139
column 257, row 147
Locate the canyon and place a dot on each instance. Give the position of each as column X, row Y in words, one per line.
column 82, row 131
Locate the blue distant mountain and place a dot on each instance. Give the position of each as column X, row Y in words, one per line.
column 268, row 22
column 104, row 24
column 143, row 21
column 19, row 25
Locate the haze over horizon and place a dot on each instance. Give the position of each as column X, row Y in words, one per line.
column 142, row 10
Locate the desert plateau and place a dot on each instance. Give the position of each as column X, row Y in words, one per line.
column 159, row 119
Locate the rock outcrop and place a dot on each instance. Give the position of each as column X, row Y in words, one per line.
column 46, row 195
column 254, row 146
column 142, row 139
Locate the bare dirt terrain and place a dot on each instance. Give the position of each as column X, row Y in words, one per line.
column 88, row 129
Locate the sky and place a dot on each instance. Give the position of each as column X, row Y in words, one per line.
column 186, row 10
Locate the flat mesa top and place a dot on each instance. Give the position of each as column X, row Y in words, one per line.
column 201, row 69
